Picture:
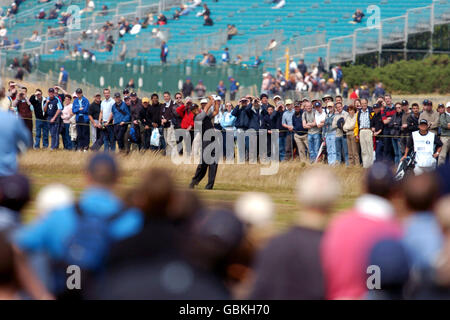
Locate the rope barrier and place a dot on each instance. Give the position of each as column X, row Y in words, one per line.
column 222, row 130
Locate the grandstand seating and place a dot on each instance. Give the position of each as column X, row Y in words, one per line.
column 299, row 24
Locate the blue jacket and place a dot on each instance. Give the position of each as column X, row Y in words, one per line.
column 241, row 118
column 14, row 137
column 121, row 113
column 254, row 118
column 227, row 120
column 82, row 115
column 50, row 234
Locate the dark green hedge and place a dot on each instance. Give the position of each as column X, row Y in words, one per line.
column 413, row 76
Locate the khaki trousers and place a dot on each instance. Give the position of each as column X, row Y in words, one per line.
column 302, row 146
column 445, row 149
column 366, row 143
column 353, row 152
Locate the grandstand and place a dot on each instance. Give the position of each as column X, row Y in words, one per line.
column 309, row 28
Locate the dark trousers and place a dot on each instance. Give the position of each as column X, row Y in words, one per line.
column 201, row 171
column 379, row 151
column 146, row 134
column 66, row 137
column 108, row 138
column 54, row 133
column 388, row 153
column 41, row 131
column 119, row 133
column 99, row 139
column 83, row 135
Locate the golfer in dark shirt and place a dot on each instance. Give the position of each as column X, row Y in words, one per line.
column 203, row 119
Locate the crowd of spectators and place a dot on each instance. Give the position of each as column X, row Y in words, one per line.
column 311, row 130
column 163, row 242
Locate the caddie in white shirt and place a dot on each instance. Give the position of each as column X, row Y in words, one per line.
column 427, row 147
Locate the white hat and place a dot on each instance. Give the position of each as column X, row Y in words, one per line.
column 277, row 96
column 204, row 100
column 255, row 208
column 217, row 98
column 52, row 197
column 447, row 105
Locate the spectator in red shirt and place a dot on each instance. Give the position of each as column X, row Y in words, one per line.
column 351, row 236
column 187, row 118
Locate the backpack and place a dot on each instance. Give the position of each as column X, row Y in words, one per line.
column 134, row 135
column 89, row 244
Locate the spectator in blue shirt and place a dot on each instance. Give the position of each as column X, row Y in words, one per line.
column 80, row 108
column 234, row 87
column 50, row 234
column 423, row 237
column 53, row 108
column 122, row 117
column 14, row 138
column 221, row 90
column 226, row 56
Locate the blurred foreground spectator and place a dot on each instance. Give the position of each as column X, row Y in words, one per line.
column 290, row 266
column 351, row 235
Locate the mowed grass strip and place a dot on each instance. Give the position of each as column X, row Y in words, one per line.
column 45, row 167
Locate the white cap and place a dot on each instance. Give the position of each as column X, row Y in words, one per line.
column 204, row 100
column 52, row 197
column 255, row 208
column 447, row 105
column 217, row 98
column 277, row 96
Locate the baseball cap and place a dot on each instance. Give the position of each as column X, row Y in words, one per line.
column 51, row 90
column 440, row 105
column 15, row 191
column 145, row 99
column 193, row 107
column 263, row 95
column 217, row 98
column 427, row 102
column 288, row 101
column 102, row 159
column 243, row 100
column 392, row 259
column 78, row 90
column 133, row 94
column 277, row 97
column 126, row 98
column 221, row 227
column 376, row 105
column 423, row 121
column 317, row 104
column 330, row 104
column 405, row 102
column 204, row 100
column 97, row 94
column 447, row 105
column 117, row 95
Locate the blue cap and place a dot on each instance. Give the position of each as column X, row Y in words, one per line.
column 317, row 104
column 427, row 102
column 102, row 159
column 391, row 257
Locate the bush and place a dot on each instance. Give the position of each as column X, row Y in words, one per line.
column 405, row 77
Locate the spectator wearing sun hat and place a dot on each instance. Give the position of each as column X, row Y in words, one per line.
column 432, row 116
